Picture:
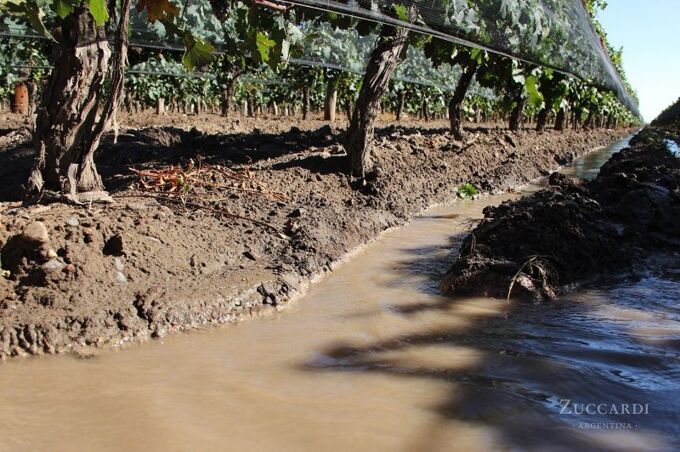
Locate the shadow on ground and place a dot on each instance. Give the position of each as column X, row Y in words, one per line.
column 156, row 147
column 532, row 357
column 161, row 146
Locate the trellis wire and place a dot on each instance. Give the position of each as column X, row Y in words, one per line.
column 294, row 61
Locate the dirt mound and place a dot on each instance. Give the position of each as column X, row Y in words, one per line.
column 575, row 230
column 241, row 233
column 669, row 118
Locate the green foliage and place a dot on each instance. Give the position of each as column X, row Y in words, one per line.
column 20, row 60
column 33, row 12
column 28, row 10
column 401, row 12
column 258, row 43
column 160, row 77
column 99, row 11
column 198, row 52
column 466, row 191
column 62, row 8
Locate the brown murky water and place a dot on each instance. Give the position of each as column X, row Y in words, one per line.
column 373, row 359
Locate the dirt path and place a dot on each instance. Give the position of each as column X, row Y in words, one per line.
column 276, row 211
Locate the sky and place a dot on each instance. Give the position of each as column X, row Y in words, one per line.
column 649, row 31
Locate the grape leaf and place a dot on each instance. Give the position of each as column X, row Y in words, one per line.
column 535, row 97
column 99, row 11
column 198, row 52
column 62, row 8
column 402, row 12
column 264, row 45
column 30, row 11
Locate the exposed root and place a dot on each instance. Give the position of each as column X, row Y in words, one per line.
column 174, row 179
column 533, row 265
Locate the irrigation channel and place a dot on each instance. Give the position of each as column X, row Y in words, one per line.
column 373, row 358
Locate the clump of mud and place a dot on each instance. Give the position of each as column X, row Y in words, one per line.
column 574, row 230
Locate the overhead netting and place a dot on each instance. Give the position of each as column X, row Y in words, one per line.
column 348, row 51
column 330, row 48
column 553, row 33
column 324, row 46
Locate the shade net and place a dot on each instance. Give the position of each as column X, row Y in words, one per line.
column 329, row 48
column 553, row 33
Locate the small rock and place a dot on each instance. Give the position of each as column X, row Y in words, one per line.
column 119, row 264
column 120, row 277
column 51, row 266
column 297, row 213
column 268, row 292
column 251, row 254
column 510, row 141
column 136, row 206
column 95, row 196
column 36, row 232
column 73, row 221
column 153, row 239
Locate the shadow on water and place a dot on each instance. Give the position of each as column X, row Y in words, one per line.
column 511, row 367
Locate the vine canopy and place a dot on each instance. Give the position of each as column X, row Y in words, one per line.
column 557, row 34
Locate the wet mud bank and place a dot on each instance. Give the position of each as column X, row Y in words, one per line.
column 577, row 231
column 266, row 213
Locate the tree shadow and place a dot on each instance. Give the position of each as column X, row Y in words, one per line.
column 317, row 164
column 15, row 167
column 528, row 360
column 162, row 146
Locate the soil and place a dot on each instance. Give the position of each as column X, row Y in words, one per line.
column 574, row 231
column 263, row 207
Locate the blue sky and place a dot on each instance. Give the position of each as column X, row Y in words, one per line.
column 649, row 31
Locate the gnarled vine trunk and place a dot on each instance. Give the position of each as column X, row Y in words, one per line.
column 72, row 118
column 305, row 102
column 331, row 99
column 229, row 95
column 456, row 102
column 386, row 56
column 542, row 118
column 516, row 114
column 400, row 105
column 588, row 124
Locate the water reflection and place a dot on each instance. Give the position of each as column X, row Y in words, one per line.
column 588, row 166
column 673, row 147
column 570, row 374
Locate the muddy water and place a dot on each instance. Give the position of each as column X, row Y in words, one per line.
column 372, row 358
